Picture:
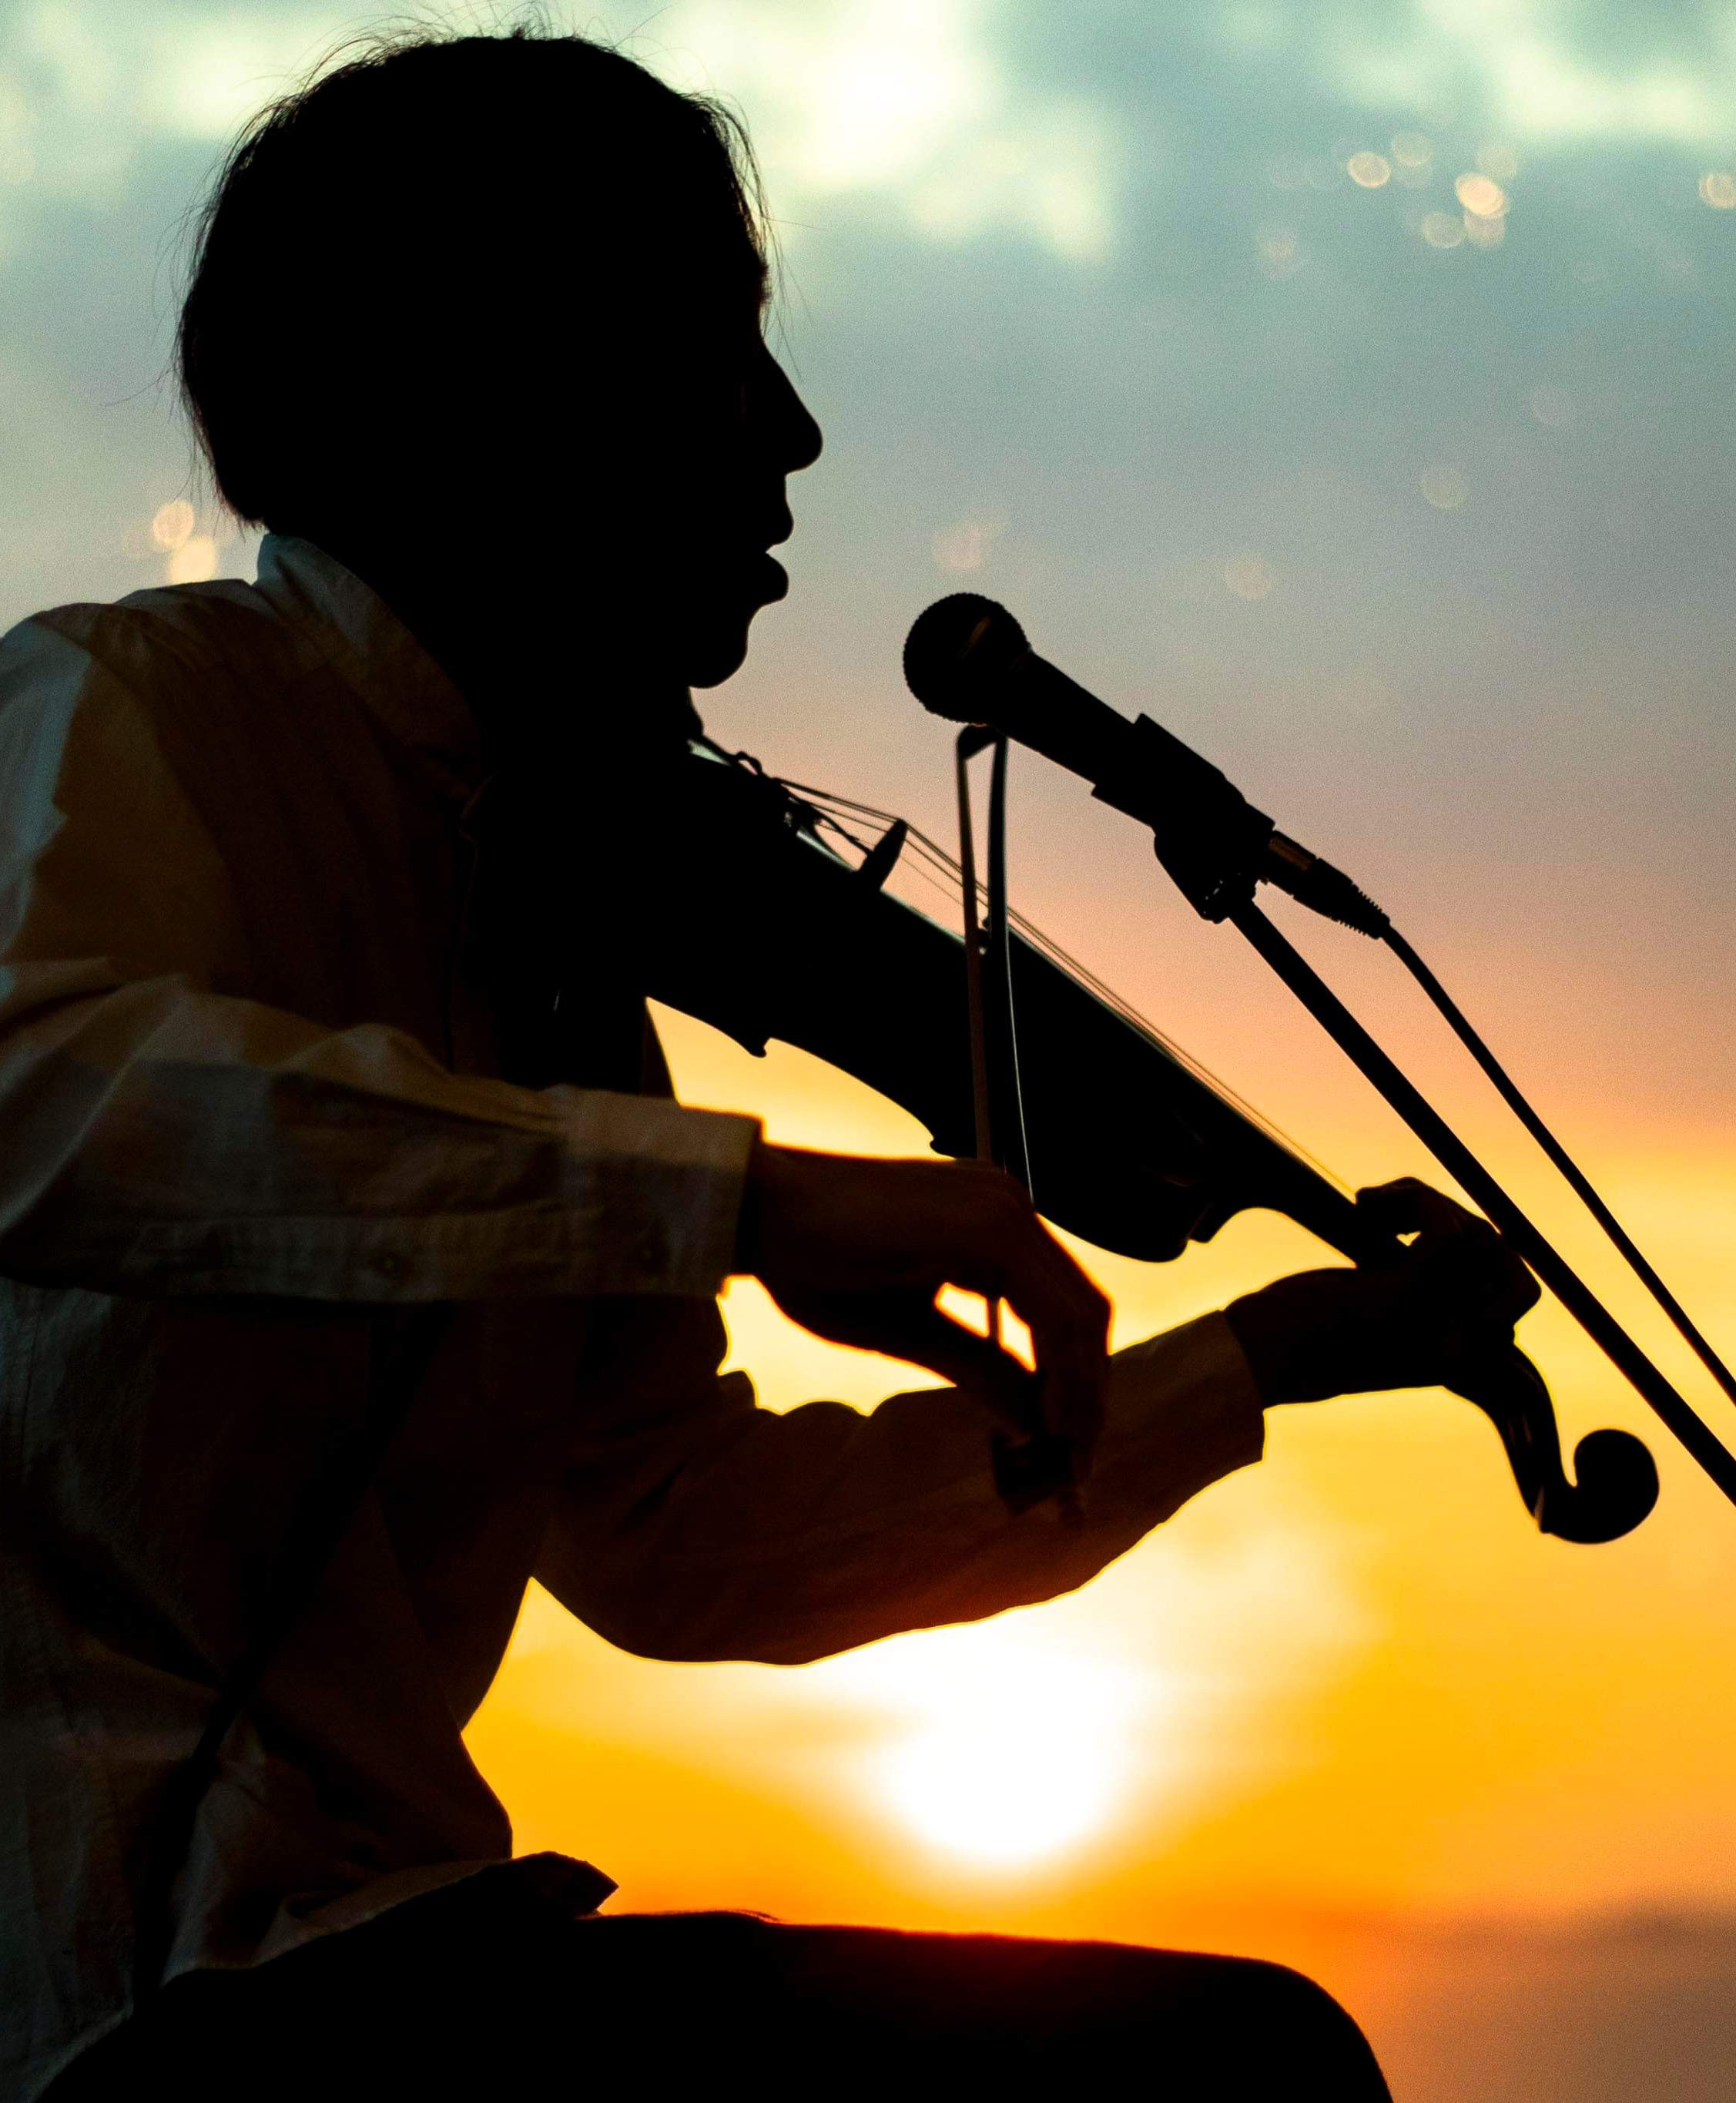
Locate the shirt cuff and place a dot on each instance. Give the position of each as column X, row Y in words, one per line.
column 653, row 1189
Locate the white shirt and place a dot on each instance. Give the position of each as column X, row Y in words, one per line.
column 255, row 1144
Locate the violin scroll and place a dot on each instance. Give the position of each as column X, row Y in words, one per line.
column 1617, row 1478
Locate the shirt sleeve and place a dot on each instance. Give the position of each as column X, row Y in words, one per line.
column 693, row 1525
column 163, row 1137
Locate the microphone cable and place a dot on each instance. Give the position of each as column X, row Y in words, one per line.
column 1577, row 1180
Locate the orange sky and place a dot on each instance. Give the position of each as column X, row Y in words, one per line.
column 1350, row 1681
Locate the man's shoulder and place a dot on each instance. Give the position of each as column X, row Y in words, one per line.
column 150, row 642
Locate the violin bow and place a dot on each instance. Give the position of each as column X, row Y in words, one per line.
column 1042, row 1466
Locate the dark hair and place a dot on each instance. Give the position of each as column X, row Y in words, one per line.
column 406, row 225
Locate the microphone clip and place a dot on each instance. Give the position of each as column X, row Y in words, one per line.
column 1216, row 846
column 1209, row 837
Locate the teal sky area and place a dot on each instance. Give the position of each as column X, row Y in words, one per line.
column 1170, row 328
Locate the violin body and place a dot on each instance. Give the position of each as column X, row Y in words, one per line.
column 1127, row 1146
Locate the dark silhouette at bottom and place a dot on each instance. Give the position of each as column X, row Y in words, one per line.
column 486, row 1989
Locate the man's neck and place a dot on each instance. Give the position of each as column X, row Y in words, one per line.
column 544, row 671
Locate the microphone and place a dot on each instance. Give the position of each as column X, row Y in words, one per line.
column 967, row 659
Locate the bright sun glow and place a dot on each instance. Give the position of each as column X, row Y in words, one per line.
column 992, row 1790
column 1001, row 1745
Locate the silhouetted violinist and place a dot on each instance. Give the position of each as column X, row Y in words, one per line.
column 358, row 1267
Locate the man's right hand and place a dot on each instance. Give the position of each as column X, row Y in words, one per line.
column 857, row 1249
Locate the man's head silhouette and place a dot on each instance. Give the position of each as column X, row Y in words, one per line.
column 482, row 315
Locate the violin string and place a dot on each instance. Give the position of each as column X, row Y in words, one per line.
column 944, row 876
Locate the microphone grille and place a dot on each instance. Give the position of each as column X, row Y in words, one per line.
column 950, row 643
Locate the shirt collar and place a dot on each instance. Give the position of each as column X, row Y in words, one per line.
column 376, row 655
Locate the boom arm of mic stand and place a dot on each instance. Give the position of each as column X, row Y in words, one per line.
column 1459, row 1160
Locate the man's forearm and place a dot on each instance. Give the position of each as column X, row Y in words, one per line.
column 783, row 1539
column 162, row 1139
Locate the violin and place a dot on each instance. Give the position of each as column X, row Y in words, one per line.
column 1129, row 1145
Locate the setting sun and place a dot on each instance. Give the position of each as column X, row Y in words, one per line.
column 997, row 1745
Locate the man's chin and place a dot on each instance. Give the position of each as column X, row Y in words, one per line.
column 710, row 659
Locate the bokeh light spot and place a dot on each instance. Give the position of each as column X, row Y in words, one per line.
column 1368, row 171
column 1248, row 576
column 1553, row 407
column 1280, row 252
column 1442, row 229
column 1445, row 487
column 1412, row 149
column 1485, row 232
column 964, row 547
column 194, row 561
column 1718, row 189
column 1481, row 195
column 172, row 525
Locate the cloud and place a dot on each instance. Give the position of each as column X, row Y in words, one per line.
column 906, row 101
column 85, row 90
column 1539, row 70
column 1535, row 71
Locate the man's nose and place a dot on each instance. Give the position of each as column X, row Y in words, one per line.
column 795, row 436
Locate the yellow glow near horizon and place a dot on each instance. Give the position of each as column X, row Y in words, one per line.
column 1350, row 1679
column 1006, row 1748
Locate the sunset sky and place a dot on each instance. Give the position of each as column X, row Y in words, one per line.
column 1350, row 388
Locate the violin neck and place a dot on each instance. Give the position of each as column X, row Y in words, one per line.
column 1311, row 1201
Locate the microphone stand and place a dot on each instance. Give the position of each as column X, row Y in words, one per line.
column 967, row 659
column 1459, row 1160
